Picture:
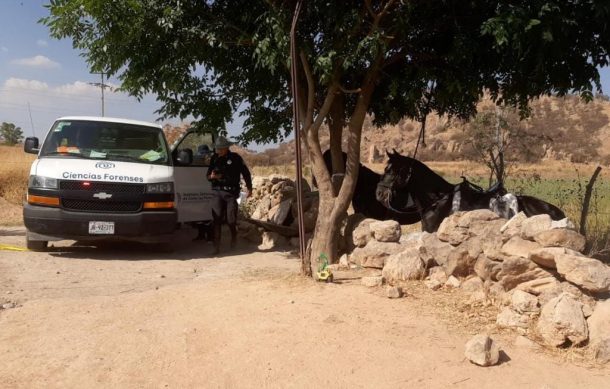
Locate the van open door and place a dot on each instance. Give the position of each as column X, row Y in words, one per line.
column 193, row 190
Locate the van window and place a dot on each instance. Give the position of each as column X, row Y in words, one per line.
column 106, row 140
column 200, row 146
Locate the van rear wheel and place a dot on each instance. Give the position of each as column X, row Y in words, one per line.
column 36, row 245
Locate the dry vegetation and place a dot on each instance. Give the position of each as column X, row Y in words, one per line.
column 14, row 172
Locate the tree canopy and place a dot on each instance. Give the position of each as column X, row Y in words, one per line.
column 10, row 134
column 209, row 58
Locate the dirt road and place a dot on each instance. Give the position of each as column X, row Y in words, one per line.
column 124, row 317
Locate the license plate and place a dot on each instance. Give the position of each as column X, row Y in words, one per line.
column 101, row 228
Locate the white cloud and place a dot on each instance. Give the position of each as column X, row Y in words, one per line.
column 42, row 43
column 3, row 49
column 19, row 83
column 39, row 61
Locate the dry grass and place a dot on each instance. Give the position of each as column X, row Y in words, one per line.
column 14, row 171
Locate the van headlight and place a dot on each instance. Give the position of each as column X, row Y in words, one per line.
column 161, row 187
column 40, row 182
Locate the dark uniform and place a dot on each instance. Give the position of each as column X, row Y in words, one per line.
column 226, row 191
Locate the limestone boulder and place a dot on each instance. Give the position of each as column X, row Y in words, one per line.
column 467, row 218
column 539, row 286
column 486, row 268
column 485, row 229
column 545, row 256
column 516, row 270
column 473, row 285
column 386, row 231
column 393, row 292
column 513, row 226
column 561, row 237
column 450, row 232
column 435, row 250
column 517, row 246
column 374, row 253
column 535, row 224
column 588, row 273
column 561, row 321
column 599, row 323
column 279, row 213
column 272, row 241
column 362, row 234
column 437, row 274
column 523, row 302
column 403, row 266
column 482, row 350
column 508, row 318
column 459, row 262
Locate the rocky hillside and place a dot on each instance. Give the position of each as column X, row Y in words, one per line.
column 557, row 128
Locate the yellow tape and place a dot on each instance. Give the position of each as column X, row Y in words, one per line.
column 8, row 247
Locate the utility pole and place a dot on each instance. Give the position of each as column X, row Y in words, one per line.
column 102, row 87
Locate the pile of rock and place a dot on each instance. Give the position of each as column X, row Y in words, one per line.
column 531, row 267
column 273, row 200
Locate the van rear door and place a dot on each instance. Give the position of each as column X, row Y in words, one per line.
column 193, row 190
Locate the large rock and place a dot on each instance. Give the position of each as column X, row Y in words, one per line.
column 540, row 286
column 437, row 274
column 516, row 270
column 492, row 247
column 513, row 226
column 435, row 251
column 523, row 302
column 362, row 232
column 486, row 268
column 272, row 240
column 403, row 266
column 535, row 224
column 279, row 213
column 561, row 237
column 374, row 253
column 588, row 273
column 449, row 231
column 473, row 285
column 262, row 209
column 468, row 218
column 545, row 256
column 601, row 351
column 482, row 350
column 510, row 319
column 460, row 263
column 485, row 229
column 562, row 320
column 386, row 231
column 599, row 323
column 519, row 247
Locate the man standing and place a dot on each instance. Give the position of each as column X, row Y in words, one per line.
column 224, row 173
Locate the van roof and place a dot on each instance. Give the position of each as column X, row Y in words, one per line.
column 110, row 120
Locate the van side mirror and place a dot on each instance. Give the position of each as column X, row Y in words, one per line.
column 31, row 145
column 185, row 157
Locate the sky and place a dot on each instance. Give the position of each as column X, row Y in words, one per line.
column 52, row 79
column 49, row 79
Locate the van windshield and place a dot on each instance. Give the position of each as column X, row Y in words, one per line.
column 106, row 140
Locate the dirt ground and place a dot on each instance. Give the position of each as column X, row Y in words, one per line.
column 125, row 316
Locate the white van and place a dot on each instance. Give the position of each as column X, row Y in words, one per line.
column 99, row 178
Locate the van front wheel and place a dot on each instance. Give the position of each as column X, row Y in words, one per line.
column 36, row 245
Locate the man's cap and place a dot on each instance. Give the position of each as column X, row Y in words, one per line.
column 222, row 142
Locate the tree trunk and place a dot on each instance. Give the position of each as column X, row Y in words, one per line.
column 325, row 236
column 335, row 126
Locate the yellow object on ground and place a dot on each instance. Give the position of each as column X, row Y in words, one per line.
column 8, row 247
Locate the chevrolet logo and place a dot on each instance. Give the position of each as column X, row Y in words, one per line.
column 102, row 195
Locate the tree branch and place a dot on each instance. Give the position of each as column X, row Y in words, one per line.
column 310, row 88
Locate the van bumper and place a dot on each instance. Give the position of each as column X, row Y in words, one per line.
column 46, row 223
